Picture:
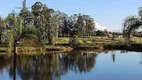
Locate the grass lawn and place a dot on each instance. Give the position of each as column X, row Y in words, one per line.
column 65, row 40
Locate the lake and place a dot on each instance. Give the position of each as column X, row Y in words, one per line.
column 76, row 65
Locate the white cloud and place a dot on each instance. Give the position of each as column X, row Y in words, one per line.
column 116, row 30
column 100, row 27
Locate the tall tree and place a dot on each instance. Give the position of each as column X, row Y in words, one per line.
column 72, row 23
column 39, row 19
column 15, row 30
column 63, row 24
column 79, row 24
column 90, row 25
column 2, row 30
column 48, row 14
column 131, row 23
column 27, row 17
column 54, row 24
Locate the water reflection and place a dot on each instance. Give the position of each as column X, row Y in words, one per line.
column 141, row 59
column 52, row 66
column 113, row 56
column 5, row 62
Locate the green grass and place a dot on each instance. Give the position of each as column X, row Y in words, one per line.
column 62, row 40
column 137, row 40
column 88, row 42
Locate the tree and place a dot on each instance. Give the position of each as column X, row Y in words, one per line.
column 140, row 12
column 2, row 22
column 2, row 30
column 72, row 24
column 89, row 26
column 15, row 30
column 42, row 16
column 131, row 23
column 99, row 33
column 39, row 19
column 63, row 24
column 49, row 19
column 27, row 17
column 54, row 24
column 79, row 25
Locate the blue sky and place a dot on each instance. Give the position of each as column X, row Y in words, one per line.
column 109, row 13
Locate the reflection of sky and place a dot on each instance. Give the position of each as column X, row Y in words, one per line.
column 4, row 75
column 126, row 67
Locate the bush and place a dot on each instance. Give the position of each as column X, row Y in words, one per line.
column 74, row 42
column 80, row 42
column 88, row 42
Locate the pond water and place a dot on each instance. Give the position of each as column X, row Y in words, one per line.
column 112, row 65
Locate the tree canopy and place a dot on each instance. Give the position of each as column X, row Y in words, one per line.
column 45, row 23
column 132, row 23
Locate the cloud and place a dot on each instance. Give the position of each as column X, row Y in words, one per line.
column 100, row 27
column 116, row 30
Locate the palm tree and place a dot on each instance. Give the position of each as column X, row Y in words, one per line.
column 132, row 23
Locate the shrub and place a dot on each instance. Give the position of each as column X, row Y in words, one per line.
column 88, row 42
column 74, row 42
column 80, row 42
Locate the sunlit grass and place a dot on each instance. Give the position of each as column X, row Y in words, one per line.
column 83, row 42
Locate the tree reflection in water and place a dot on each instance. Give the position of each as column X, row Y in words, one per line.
column 50, row 66
column 53, row 66
column 113, row 56
column 5, row 62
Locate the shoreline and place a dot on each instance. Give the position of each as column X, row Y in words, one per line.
column 62, row 49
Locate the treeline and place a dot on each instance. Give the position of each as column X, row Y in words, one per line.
column 136, row 33
column 44, row 23
column 106, row 33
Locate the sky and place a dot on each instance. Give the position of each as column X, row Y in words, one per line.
column 106, row 13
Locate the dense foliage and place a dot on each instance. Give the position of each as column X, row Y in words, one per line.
column 132, row 23
column 44, row 23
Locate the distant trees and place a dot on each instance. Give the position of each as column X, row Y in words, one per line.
column 76, row 24
column 99, row 33
column 102, row 33
column 137, row 33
